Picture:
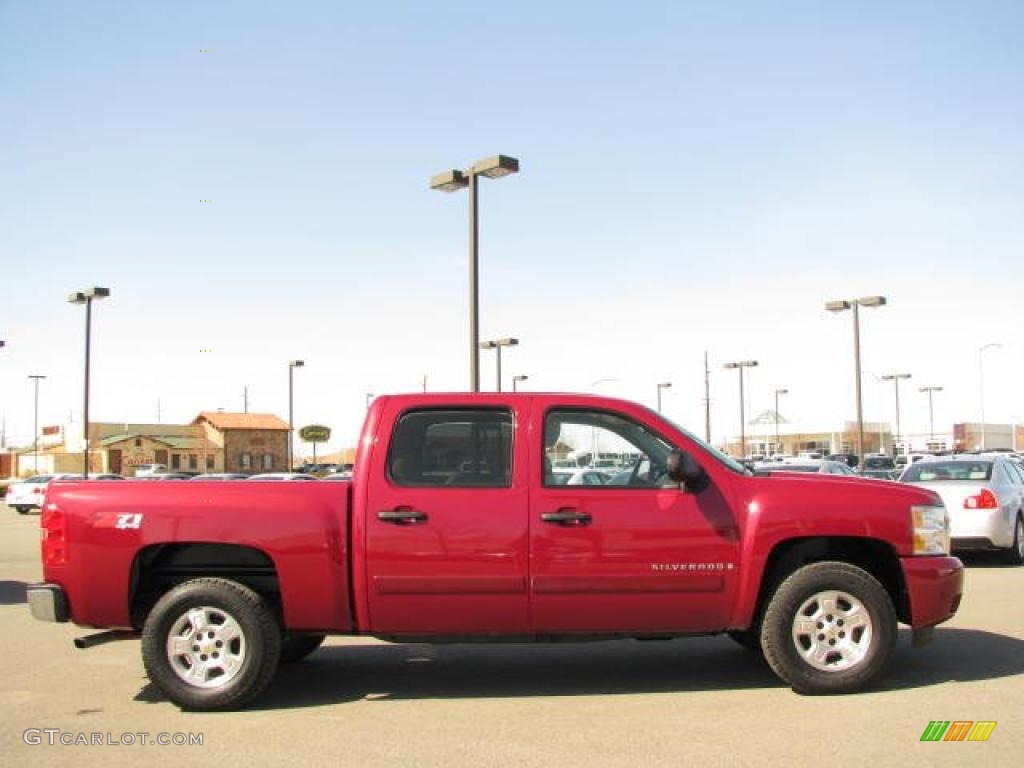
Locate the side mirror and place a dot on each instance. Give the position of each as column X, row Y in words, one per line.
column 683, row 468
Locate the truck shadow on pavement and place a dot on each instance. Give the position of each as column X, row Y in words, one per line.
column 347, row 673
column 12, row 592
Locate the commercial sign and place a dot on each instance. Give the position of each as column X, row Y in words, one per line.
column 315, row 433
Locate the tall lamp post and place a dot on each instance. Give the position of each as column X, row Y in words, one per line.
column 895, row 378
column 516, row 380
column 292, row 365
column 855, row 305
column 778, row 392
column 740, row 365
column 661, row 386
column 496, row 345
column 981, row 384
column 931, row 411
column 451, row 181
column 36, row 378
column 87, row 297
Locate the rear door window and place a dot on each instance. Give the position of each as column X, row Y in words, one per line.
column 456, row 448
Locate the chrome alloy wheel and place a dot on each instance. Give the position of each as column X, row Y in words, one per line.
column 206, row 647
column 832, row 631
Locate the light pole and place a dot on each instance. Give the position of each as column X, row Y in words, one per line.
column 778, row 392
column 36, row 378
column 981, row 384
column 855, row 304
column 87, row 297
column 931, row 411
column 451, row 181
column 496, row 345
column 740, row 365
column 516, row 380
column 292, row 365
column 895, row 378
column 661, row 386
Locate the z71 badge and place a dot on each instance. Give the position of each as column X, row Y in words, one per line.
column 128, row 522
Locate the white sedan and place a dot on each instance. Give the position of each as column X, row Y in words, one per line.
column 30, row 493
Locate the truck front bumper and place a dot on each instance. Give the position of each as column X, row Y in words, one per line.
column 935, row 586
column 48, row 602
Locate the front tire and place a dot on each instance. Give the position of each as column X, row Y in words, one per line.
column 21, row 510
column 830, row 627
column 1015, row 554
column 211, row 644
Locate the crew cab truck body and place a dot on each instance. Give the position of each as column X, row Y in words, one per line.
column 453, row 529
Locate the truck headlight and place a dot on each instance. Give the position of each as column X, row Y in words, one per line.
column 931, row 529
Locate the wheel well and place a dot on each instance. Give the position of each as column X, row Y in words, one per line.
column 161, row 567
column 874, row 556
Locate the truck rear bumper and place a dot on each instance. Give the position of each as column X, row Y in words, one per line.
column 935, row 586
column 47, row 602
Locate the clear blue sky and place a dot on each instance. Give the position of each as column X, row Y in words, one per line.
column 694, row 175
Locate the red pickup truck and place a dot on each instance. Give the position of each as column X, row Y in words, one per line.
column 457, row 528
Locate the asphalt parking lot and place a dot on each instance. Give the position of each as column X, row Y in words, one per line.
column 701, row 701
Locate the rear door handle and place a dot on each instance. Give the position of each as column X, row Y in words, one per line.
column 566, row 517
column 402, row 516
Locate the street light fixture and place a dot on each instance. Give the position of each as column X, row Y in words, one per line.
column 36, row 378
column 451, row 181
column 87, row 297
column 931, row 411
column 981, row 384
column 496, row 345
column 740, row 365
column 855, row 305
column 895, row 378
column 663, row 385
column 778, row 392
column 292, row 365
column 516, row 380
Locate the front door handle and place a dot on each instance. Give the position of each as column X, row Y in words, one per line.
column 566, row 517
column 402, row 516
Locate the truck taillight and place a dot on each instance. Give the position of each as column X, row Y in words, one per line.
column 53, row 530
column 984, row 500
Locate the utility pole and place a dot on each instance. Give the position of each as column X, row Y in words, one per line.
column 245, row 399
column 707, row 400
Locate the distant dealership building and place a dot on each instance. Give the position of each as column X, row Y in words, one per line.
column 214, row 441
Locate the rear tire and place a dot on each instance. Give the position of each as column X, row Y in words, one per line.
column 211, row 644
column 297, row 647
column 830, row 627
column 1015, row 554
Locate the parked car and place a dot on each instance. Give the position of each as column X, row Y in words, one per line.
column 578, row 477
column 30, row 493
column 283, row 476
column 221, row 476
column 820, row 466
column 984, row 495
column 143, row 470
column 849, row 459
column 335, row 476
column 164, row 476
